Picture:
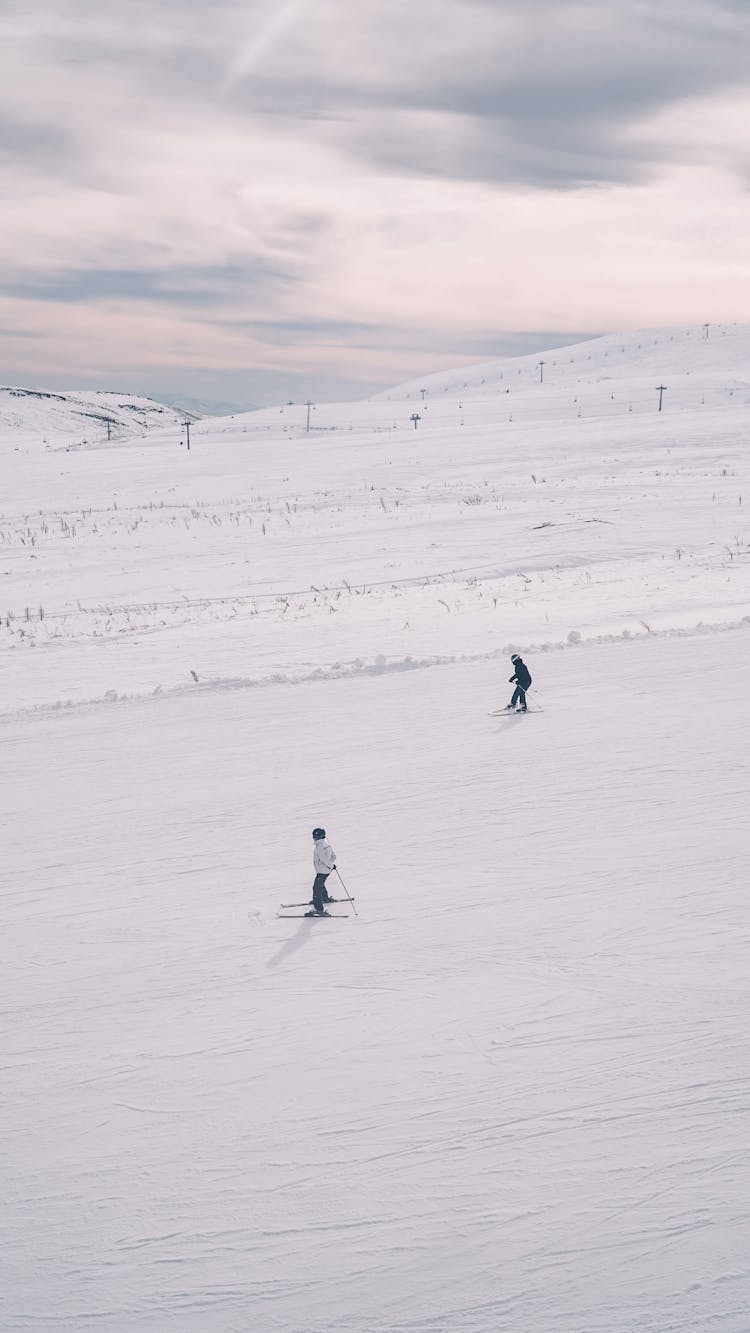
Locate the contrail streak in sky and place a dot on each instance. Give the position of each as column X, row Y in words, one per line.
column 250, row 55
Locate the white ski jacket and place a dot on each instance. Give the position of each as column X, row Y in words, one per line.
column 324, row 857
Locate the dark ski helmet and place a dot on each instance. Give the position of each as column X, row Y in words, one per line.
column 319, row 833
column 515, row 657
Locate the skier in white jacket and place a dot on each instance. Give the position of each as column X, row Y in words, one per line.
column 324, row 860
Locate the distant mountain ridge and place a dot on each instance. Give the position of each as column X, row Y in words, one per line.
column 84, row 416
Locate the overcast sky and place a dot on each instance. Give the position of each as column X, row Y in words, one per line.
column 255, row 200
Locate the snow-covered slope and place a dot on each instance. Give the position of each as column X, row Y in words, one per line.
column 270, row 552
column 80, row 417
column 510, row 1094
column 714, row 357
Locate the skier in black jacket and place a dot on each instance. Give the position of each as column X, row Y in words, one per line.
column 522, row 680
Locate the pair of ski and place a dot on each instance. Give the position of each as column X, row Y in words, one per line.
column 312, row 915
column 511, row 712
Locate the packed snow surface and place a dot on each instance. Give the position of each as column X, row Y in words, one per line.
column 510, row 1093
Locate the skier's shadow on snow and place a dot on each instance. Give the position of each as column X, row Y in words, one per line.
column 292, row 945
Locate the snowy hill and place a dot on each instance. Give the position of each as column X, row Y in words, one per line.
column 81, row 417
column 272, row 552
column 614, row 376
column 712, row 357
column 510, row 1094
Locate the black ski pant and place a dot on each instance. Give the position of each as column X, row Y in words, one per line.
column 519, row 696
column 320, row 894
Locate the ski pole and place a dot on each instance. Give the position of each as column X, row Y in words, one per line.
column 346, row 891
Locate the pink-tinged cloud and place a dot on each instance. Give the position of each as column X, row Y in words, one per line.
column 331, row 192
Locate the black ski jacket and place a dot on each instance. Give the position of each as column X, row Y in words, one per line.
column 522, row 676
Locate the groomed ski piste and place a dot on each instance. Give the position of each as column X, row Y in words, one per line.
column 512, row 1092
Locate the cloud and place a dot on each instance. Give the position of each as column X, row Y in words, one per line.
column 23, row 142
column 494, row 90
column 488, row 90
column 199, row 287
column 311, row 186
column 501, row 92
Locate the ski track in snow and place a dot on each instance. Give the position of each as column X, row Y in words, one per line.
column 377, row 667
column 510, row 1095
